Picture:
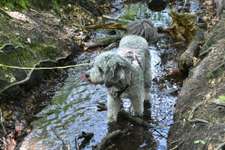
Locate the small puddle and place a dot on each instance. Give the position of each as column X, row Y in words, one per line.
column 73, row 108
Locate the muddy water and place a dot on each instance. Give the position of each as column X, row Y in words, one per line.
column 73, row 108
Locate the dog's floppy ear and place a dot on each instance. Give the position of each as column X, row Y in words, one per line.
column 115, row 73
column 111, row 73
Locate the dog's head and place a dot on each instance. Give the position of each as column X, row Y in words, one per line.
column 109, row 69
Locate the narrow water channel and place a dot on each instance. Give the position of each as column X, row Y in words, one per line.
column 73, row 108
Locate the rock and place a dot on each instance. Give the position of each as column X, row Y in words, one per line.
column 48, row 41
column 157, row 5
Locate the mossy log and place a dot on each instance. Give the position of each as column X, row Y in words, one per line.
column 186, row 59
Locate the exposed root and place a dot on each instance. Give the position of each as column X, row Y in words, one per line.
column 191, row 115
column 191, row 118
column 106, row 140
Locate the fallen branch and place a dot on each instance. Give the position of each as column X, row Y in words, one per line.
column 64, row 145
column 1, row 122
column 116, row 19
column 43, row 68
column 117, row 26
column 2, row 11
column 191, row 118
column 187, row 58
column 135, row 120
column 198, row 120
column 123, row 114
column 102, row 42
column 221, row 146
column 218, row 67
column 191, row 115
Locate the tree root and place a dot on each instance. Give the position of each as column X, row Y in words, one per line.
column 106, row 140
column 191, row 118
column 191, row 115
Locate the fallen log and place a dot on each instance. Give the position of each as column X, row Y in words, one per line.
column 102, row 41
column 117, row 26
column 187, row 58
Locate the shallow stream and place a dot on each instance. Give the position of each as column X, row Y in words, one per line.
column 73, row 109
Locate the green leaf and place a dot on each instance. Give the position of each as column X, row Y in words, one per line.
column 222, row 98
column 200, row 142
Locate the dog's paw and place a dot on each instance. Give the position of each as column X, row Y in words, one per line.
column 147, row 104
column 101, row 106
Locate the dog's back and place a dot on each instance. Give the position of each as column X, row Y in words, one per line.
column 133, row 42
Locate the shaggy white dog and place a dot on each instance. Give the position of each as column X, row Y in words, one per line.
column 125, row 73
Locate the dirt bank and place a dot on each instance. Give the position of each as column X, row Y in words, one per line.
column 199, row 116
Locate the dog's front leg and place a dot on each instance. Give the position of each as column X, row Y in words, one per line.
column 113, row 107
column 138, row 104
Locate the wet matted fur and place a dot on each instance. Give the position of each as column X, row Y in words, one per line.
column 126, row 73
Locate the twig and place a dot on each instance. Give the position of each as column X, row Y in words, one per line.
column 76, row 144
column 176, row 146
column 198, row 120
column 1, row 122
column 108, row 26
column 191, row 118
column 2, row 11
column 218, row 67
column 44, row 68
column 65, row 146
column 221, row 146
column 116, row 19
column 135, row 120
column 160, row 134
column 191, row 115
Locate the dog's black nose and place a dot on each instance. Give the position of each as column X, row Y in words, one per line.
column 87, row 75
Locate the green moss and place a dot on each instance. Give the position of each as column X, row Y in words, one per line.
column 12, row 4
column 222, row 98
column 19, row 47
column 134, row 11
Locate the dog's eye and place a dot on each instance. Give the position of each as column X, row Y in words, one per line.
column 100, row 70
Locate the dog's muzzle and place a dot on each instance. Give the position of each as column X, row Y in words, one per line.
column 87, row 76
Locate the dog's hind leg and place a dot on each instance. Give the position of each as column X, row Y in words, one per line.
column 113, row 107
column 147, row 76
